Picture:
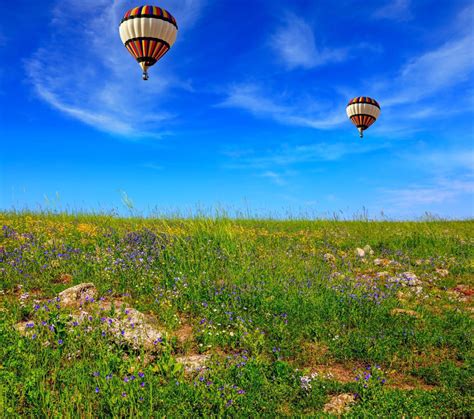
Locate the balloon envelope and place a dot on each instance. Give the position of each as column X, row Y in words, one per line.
column 148, row 32
column 363, row 111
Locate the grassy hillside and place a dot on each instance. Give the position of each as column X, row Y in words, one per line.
column 290, row 313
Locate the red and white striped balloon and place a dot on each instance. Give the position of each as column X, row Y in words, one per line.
column 148, row 32
column 363, row 111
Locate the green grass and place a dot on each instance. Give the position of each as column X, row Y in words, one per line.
column 260, row 297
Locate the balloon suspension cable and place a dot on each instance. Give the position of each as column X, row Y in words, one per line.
column 145, row 75
column 361, row 132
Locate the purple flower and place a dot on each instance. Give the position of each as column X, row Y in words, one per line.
column 96, row 373
column 60, row 341
column 126, row 379
column 142, row 384
column 33, row 337
column 124, row 394
column 229, row 402
column 241, row 392
column 108, row 376
column 141, row 374
column 97, row 389
column 30, row 325
column 122, row 332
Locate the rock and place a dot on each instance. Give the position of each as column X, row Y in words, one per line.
column 339, row 404
column 442, row 272
column 412, row 313
column 129, row 326
column 328, row 257
column 406, row 279
column 193, row 362
column 360, row 252
column 77, row 294
column 368, row 250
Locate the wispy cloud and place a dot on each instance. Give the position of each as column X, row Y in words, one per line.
column 434, row 71
column 294, row 42
column 83, row 70
column 398, row 10
column 275, row 177
column 288, row 156
column 251, row 98
column 424, row 195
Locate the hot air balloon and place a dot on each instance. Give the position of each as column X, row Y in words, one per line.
column 148, row 32
column 363, row 112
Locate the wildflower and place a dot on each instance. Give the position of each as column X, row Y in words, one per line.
column 97, row 389
column 60, row 341
column 108, row 376
column 30, row 325
column 96, row 373
column 241, row 391
column 33, row 337
column 124, row 394
column 141, row 374
column 126, row 379
column 142, row 384
column 229, row 402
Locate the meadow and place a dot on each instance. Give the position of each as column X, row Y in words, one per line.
column 357, row 318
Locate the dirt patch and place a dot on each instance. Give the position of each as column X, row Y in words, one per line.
column 184, row 333
column 347, row 372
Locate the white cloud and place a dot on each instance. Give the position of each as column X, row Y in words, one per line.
column 84, row 71
column 294, row 42
column 290, row 155
column 250, row 97
column 275, row 177
column 398, row 10
column 424, row 195
column 434, row 71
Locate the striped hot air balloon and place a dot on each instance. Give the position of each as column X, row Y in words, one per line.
column 148, row 32
column 363, row 111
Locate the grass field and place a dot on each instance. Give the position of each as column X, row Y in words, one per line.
column 290, row 313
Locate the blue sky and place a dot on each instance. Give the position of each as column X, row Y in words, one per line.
column 246, row 112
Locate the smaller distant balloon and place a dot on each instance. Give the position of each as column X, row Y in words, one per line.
column 363, row 111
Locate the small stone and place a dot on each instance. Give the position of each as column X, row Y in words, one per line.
column 412, row 313
column 328, row 257
column 442, row 272
column 78, row 293
column 339, row 404
column 410, row 279
column 193, row 363
column 360, row 252
column 368, row 250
